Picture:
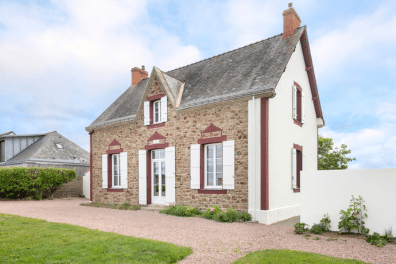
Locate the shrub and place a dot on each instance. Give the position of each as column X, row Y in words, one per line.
column 181, row 210
column 317, row 229
column 325, row 222
column 300, row 228
column 210, row 212
column 16, row 183
column 352, row 219
column 377, row 240
column 226, row 215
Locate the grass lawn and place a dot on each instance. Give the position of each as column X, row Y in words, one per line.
column 28, row 240
column 285, row 256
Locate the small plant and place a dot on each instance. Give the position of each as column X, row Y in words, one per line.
column 181, row 210
column 317, row 229
column 377, row 240
column 325, row 222
column 388, row 235
column 210, row 212
column 226, row 215
column 127, row 206
column 300, row 228
column 331, row 239
column 352, row 219
column 316, row 238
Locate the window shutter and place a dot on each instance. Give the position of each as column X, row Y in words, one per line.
column 294, row 168
column 142, row 177
column 124, row 169
column 195, row 166
column 146, row 113
column 228, row 165
column 164, row 109
column 302, row 108
column 104, row 171
column 294, row 102
column 170, row 175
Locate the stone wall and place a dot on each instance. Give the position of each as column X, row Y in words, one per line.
column 182, row 129
column 73, row 188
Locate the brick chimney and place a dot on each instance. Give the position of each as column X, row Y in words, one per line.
column 291, row 21
column 138, row 75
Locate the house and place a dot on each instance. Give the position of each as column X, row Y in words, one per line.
column 45, row 150
column 234, row 130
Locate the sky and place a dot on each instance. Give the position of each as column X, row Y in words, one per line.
column 62, row 63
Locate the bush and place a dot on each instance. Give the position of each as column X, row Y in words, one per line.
column 227, row 215
column 317, row 229
column 181, row 210
column 325, row 222
column 17, row 183
column 300, row 228
column 381, row 241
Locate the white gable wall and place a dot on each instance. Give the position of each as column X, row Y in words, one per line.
column 283, row 133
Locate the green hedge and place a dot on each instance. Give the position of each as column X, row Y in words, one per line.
column 17, row 183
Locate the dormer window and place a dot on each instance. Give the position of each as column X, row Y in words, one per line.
column 157, row 111
column 59, row 145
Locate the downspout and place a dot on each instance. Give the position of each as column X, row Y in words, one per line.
column 90, row 166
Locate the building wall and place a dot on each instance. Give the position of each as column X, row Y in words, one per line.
column 330, row 191
column 182, row 129
column 14, row 145
column 283, row 133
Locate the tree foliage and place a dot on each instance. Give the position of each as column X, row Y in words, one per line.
column 332, row 159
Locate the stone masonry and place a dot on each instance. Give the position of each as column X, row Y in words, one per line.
column 182, row 129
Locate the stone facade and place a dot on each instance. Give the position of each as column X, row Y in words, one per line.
column 182, row 129
column 70, row 189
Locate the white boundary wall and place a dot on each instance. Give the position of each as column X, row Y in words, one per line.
column 86, row 184
column 330, row 191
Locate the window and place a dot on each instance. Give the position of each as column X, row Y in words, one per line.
column 214, row 165
column 297, row 166
column 298, row 105
column 116, row 170
column 59, row 145
column 157, row 111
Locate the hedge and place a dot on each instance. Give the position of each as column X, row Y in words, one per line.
column 17, row 183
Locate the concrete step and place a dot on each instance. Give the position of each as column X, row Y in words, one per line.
column 154, row 207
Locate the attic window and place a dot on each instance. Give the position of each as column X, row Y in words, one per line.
column 59, row 145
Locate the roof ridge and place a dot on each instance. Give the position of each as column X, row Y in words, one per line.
column 230, row 51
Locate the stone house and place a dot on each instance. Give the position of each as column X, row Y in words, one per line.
column 45, row 150
column 234, row 130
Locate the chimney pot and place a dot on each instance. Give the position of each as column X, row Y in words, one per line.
column 291, row 21
column 138, row 75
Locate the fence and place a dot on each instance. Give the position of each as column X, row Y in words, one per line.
column 330, row 191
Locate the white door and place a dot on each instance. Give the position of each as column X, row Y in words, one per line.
column 158, row 176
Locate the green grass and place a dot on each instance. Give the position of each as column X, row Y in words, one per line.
column 27, row 240
column 285, row 256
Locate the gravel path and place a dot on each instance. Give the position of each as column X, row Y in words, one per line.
column 211, row 241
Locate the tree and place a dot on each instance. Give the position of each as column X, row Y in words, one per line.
column 330, row 159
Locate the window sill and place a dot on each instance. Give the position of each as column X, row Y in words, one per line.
column 212, row 191
column 298, row 123
column 296, row 190
column 114, row 190
column 156, row 125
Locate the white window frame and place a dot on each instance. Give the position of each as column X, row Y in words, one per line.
column 214, row 187
column 112, row 171
column 158, row 104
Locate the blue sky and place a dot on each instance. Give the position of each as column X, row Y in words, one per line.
column 62, row 63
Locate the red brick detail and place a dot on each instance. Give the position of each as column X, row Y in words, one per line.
column 298, row 147
column 212, row 140
column 311, row 74
column 296, row 190
column 155, row 97
column 264, row 154
column 212, row 191
column 115, row 143
column 148, row 183
column 202, row 163
column 155, row 136
column 114, row 151
column 298, row 86
column 156, row 146
column 212, row 128
column 138, row 75
column 155, row 125
column 90, row 165
column 114, row 190
column 109, row 171
column 291, row 21
column 298, row 123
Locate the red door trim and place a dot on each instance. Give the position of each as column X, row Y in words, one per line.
column 264, row 155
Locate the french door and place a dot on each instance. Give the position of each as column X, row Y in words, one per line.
column 158, row 176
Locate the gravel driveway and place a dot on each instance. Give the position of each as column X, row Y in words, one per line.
column 211, row 241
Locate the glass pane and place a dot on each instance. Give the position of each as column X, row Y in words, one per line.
column 209, row 166
column 156, row 168
column 219, row 179
column 209, row 151
column 163, row 177
column 219, row 165
column 209, row 179
column 156, row 117
column 115, row 180
column 162, row 154
column 219, row 151
column 156, row 184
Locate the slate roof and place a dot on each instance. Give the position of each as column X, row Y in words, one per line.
column 249, row 70
column 45, row 149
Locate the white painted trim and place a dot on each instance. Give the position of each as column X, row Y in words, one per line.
column 229, row 165
column 124, row 169
column 142, row 177
column 195, row 166
column 146, row 109
column 164, row 109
